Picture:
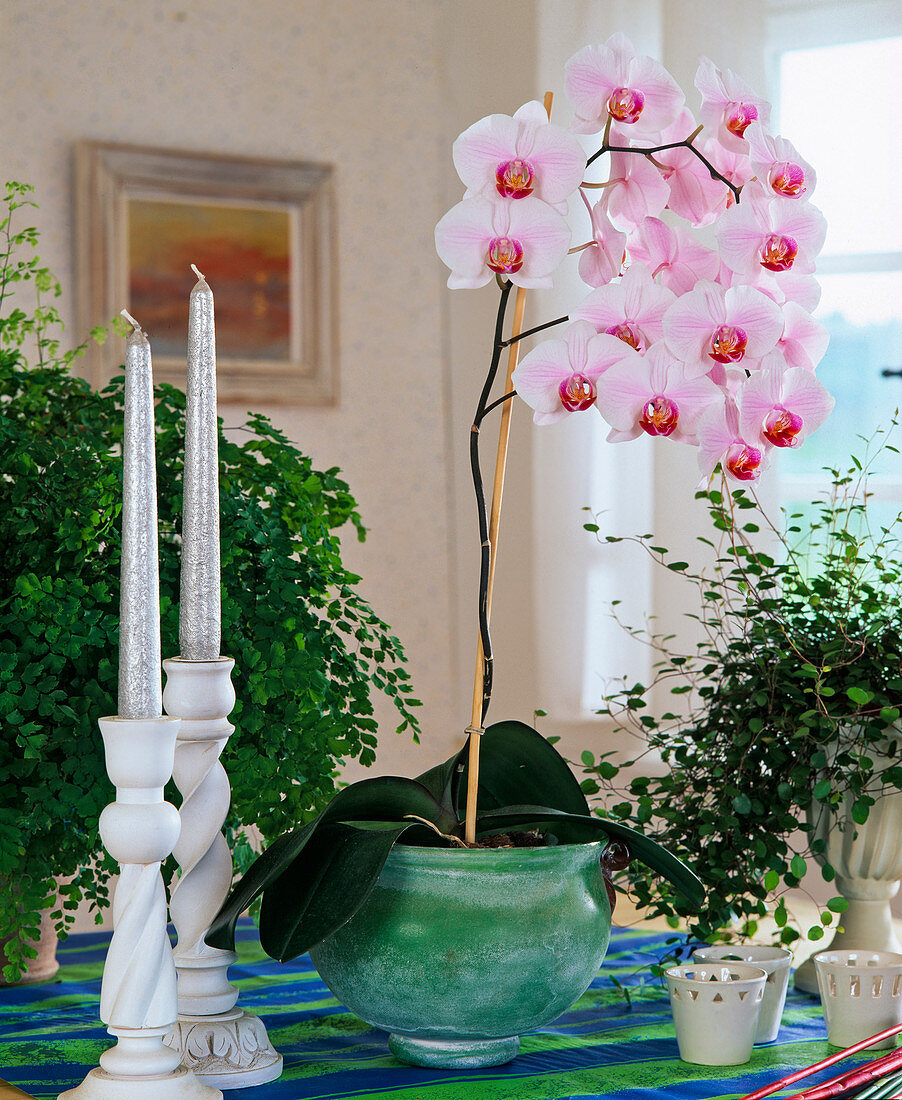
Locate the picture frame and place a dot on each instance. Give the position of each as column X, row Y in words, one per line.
column 261, row 231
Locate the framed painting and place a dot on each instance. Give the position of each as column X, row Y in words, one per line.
column 261, row 231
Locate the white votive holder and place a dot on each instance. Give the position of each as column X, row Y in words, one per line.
column 715, row 1010
column 775, row 962
column 861, row 994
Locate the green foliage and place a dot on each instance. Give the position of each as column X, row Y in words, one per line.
column 315, row 878
column 783, row 712
column 308, row 648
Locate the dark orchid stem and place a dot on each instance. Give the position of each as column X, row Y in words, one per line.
column 500, row 401
column 686, row 143
column 532, row 332
column 482, row 512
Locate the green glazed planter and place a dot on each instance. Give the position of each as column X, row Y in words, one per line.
column 457, row 952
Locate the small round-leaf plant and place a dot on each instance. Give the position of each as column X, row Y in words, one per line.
column 786, row 710
column 714, row 347
column 308, row 648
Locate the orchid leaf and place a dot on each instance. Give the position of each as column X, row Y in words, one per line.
column 579, row 828
column 382, row 798
column 516, row 766
column 315, row 896
column 443, row 781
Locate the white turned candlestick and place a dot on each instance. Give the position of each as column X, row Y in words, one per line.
column 223, row 1045
column 138, row 1001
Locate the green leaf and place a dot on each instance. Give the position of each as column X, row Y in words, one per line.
column 822, row 789
column 837, row 905
column 580, row 828
column 742, row 804
column 443, row 781
column 798, row 866
column 517, row 766
column 316, row 895
column 771, row 881
column 859, row 696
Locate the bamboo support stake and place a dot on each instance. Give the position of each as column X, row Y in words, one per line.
column 475, row 729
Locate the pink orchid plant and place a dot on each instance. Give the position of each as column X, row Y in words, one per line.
column 697, row 252
column 719, row 348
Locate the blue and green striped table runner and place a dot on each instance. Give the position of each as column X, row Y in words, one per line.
column 606, row 1045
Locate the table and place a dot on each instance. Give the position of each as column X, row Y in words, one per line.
column 606, row 1045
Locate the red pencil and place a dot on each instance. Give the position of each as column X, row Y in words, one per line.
column 784, row 1082
column 861, row 1075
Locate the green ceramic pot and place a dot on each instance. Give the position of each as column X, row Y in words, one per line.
column 457, row 951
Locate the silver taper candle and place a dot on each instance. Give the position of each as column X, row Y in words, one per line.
column 199, row 602
column 140, row 674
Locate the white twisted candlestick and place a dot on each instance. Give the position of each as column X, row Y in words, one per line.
column 222, row 1044
column 138, row 993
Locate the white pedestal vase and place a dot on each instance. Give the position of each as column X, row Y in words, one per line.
column 223, row 1045
column 138, row 993
column 868, row 863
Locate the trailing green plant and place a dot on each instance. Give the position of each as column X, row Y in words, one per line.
column 314, row 878
column 789, row 705
column 309, row 649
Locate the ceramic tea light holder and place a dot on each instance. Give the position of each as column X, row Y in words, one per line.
column 775, row 962
column 715, row 1009
column 861, row 993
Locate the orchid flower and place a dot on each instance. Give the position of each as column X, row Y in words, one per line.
column 631, row 309
column 729, row 106
column 518, row 156
column 653, row 394
column 524, row 241
column 770, row 233
column 781, row 405
column 673, row 254
column 560, row 377
column 789, row 286
column 602, row 261
column 720, row 440
column 778, row 166
column 694, row 194
column 804, row 340
column 636, row 191
column 712, row 325
column 612, row 81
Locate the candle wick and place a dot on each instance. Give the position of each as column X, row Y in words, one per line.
column 198, row 274
column 125, row 313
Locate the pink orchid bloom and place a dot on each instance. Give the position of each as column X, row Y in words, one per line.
column 804, row 340
column 673, row 254
column 602, row 261
column 523, row 241
column 560, row 377
column 781, row 405
column 631, row 309
column 635, row 192
column 513, row 157
column 734, row 327
column 729, row 106
column 611, row 80
column 773, row 234
column 778, row 166
column 731, row 163
column 789, row 286
column 694, row 194
column 720, row 440
column 653, row 394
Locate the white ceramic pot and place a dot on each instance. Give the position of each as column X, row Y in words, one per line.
column 775, row 962
column 715, row 1011
column 861, row 992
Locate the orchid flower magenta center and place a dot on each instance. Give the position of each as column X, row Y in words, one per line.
column 660, row 415
column 743, row 461
column 778, row 252
column 728, row 344
column 577, row 393
column 515, row 178
column 628, row 333
column 781, row 427
column 740, row 116
column 505, row 255
column 626, row 104
column 787, row 179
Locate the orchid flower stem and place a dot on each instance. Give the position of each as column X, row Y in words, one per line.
column 500, row 401
column 532, row 331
